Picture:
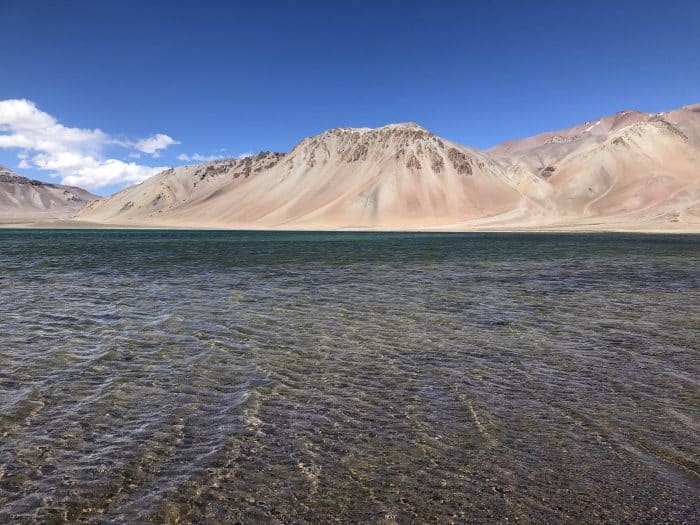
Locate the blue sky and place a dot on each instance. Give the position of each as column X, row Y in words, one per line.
column 231, row 78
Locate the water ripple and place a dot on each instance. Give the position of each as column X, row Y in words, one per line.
column 384, row 378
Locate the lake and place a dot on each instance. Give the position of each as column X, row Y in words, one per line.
column 163, row 376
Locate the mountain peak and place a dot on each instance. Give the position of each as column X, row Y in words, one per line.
column 7, row 175
column 399, row 140
column 403, row 126
column 6, row 170
column 22, row 198
column 387, row 128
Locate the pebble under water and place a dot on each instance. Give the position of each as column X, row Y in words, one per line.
column 222, row 377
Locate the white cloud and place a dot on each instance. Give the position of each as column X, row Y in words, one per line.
column 110, row 172
column 23, row 125
column 153, row 144
column 76, row 155
column 23, row 164
column 196, row 157
column 184, row 157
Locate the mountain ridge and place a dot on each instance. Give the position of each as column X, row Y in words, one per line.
column 22, row 198
column 627, row 170
column 623, row 169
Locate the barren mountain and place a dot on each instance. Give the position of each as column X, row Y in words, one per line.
column 630, row 170
column 392, row 176
column 177, row 190
column 26, row 199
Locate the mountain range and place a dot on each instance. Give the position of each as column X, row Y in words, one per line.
column 23, row 199
column 627, row 171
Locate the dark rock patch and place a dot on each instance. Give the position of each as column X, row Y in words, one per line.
column 460, row 161
column 413, row 163
column 436, row 162
column 547, row 172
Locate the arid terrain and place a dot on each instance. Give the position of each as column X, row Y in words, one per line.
column 23, row 199
column 627, row 171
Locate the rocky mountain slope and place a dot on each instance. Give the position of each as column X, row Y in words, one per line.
column 394, row 176
column 630, row 168
column 177, row 190
column 26, row 199
column 625, row 171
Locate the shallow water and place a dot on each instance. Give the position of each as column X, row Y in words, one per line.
column 151, row 376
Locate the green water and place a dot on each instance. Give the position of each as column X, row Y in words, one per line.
column 215, row 377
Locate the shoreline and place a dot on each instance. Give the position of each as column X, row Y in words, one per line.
column 573, row 228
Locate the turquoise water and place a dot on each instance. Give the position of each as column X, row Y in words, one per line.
column 155, row 376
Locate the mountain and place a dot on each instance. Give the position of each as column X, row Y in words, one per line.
column 630, row 170
column 26, row 199
column 633, row 169
column 392, row 176
column 175, row 191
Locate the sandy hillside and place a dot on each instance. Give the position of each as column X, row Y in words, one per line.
column 25, row 199
column 630, row 170
column 396, row 176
